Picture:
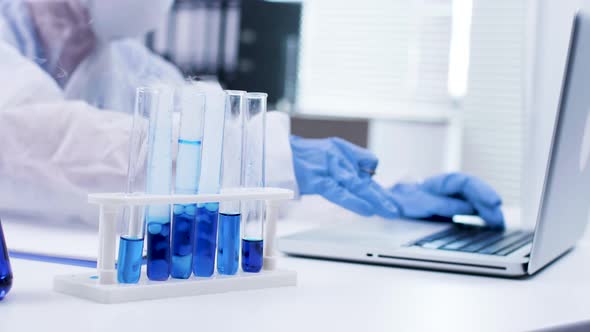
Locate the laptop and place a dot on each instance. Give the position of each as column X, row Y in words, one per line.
column 560, row 221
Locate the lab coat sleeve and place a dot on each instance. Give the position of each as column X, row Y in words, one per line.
column 280, row 171
column 22, row 81
column 53, row 154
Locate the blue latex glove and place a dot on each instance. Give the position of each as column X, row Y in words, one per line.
column 447, row 195
column 341, row 172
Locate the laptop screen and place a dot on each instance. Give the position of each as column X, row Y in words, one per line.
column 564, row 209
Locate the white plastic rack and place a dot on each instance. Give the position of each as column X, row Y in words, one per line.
column 103, row 286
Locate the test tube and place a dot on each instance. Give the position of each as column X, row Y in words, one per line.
column 5, row 270
column 159, row 178
column 132, row 235
column 207, row 213
column 253, row 211
column 228, row 247
column 188, row 170
column 131, row 246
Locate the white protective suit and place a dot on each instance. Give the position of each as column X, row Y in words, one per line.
column 53, row 151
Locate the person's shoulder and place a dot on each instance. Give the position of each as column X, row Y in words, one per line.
column 134, row 54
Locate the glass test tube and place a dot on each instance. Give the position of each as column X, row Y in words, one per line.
column 132, row 236
column 228, row 247
column 5, row 270
column 207, row 213
column 159, row 177
column 188, row 170
column 253, row 211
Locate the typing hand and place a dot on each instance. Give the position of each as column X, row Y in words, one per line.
column 447, row 195
column 341, row 172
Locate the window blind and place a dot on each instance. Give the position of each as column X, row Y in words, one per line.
column 493, row 107
column 381, row 56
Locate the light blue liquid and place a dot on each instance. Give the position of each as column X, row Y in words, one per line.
column 205, row 240
column 228, row 248
column 130, row 258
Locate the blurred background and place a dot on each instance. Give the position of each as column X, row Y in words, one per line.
column 428, row 85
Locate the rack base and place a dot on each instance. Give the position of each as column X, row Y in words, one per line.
column 86, row 286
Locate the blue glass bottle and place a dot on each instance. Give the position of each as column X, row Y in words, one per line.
column 5, row 270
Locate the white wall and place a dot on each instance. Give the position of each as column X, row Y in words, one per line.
column 548, row 55
column 408, row 150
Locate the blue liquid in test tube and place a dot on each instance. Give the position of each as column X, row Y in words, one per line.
column 253, row 211
column 182, row 240
column 252, row 255
column 206, row 225
column 5, row 270
column 206, row 239
column 159, row 178
column 130, row 258
column 228, row 249
column 188, row 170
column 132, row 236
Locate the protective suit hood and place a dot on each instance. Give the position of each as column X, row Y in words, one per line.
column 118, row 19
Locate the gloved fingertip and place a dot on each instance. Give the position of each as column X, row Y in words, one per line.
column 388, row 213
column 494, row 218
column 368, row 165
column 364, row 209
column 390, row 210
column 354, row 204
column 364, row 213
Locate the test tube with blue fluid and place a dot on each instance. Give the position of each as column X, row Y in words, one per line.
column 131, row 245
column 130, row 256
column 188, row 170
column 5, row 270
column 159, row 178
column 228, row 247
column 205, row 245
column 253, row 211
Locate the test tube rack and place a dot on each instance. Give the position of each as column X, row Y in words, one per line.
column 103, row 287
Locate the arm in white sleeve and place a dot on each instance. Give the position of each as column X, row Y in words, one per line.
column 22, row 81
column 279, row 158
column 53, row 154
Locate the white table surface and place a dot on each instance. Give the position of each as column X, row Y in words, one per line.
column 330, row 296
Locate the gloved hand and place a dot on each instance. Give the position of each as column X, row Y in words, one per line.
column 447, row 195
column 341, row 172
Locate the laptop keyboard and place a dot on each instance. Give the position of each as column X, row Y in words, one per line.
column 479, row 240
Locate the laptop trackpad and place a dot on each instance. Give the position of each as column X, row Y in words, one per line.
column 372, row 232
